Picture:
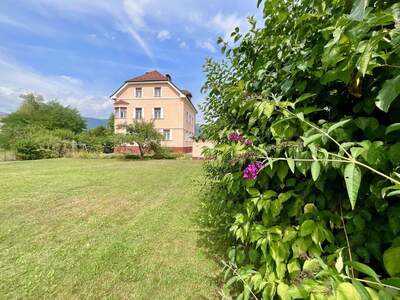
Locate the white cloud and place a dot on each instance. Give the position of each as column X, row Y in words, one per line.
column 67, row 90
column 206, row 45
column 225, row 24
column 183, row 45
column 164, row 35
column 128, row 15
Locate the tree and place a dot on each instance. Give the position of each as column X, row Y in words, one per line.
column 35, row 112
column 110, row 122
column 144, row 135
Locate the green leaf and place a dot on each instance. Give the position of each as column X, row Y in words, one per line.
column 352, row 177
column 304, row 97
column 315, row 170
column 360, row 267
column 362, row 291
column 282, row 171
column 310, row 139
column 391, row 261
column 337, row 125
column 358, row 11
column 267, row 109
column 346, row 291
column 283, row 289
column 393, row 127
column 365, row 58
column 253, row 192
column 318, row 235
column 290, row 162
column 384, row 295
column 293, row 266
column 307, row 228
column 389, row 92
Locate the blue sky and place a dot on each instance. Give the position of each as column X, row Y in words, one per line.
column 80, row 51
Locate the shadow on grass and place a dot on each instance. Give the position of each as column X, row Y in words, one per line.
column 213, row 220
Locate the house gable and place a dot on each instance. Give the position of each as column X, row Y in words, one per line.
column 128, row 90
column 148, row 82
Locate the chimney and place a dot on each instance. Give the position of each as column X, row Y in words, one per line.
column 168, row 76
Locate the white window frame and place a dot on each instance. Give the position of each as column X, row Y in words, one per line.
column 161, row 114
column 141, row 92
column 170, row 134
column 134, row 113
column 154, row 91
column 117, row 112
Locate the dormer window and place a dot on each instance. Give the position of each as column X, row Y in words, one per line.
column 157, row 92
column 139, row 92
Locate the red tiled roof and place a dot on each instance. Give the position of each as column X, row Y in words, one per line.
column 149, row 76
column 120, row 102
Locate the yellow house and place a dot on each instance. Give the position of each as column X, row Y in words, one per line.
column 153, row 96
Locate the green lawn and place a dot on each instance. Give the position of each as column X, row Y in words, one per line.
column 90, row 229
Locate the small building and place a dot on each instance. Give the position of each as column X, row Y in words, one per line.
column 154, row 97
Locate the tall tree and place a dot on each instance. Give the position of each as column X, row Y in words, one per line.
column 34, row 111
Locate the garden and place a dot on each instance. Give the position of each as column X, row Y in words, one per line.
column 298, row 199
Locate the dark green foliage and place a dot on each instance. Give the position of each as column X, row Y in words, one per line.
column 39, row 144
column 52, row 115
column 316, row 91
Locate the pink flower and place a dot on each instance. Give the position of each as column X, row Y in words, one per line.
column 252, row 170
column 234, row 136
column 248, row 142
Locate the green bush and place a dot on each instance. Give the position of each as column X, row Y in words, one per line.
column 40, row 145
column 306, row 116
column 97, row 140
column 163, row 153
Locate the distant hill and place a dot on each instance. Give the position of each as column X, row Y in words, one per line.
column 92, row 122
column 198, row 130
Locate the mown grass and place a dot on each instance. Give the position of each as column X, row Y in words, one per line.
column 91, row 229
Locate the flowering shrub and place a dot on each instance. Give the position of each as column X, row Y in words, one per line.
column 313, row 198
column 252, row 170
column 234, row 136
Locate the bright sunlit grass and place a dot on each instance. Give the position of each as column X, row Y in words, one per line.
column 101, row 229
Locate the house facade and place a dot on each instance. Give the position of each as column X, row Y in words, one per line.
column 154, row 97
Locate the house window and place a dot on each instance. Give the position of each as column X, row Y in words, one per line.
column 187, row 117
column 167, row 134
column 138, row 113
column 157, row 92
column 139, row 93
column 120, row 112
column 157, row 113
